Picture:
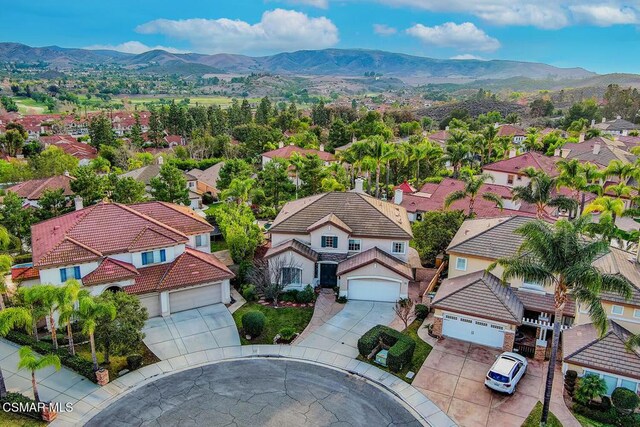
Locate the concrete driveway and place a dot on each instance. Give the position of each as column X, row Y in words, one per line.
column 340, row 333
column 190, row 331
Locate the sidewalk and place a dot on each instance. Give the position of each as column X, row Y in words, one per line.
column 325, row 308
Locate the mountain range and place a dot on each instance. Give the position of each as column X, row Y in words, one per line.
column 327, row 62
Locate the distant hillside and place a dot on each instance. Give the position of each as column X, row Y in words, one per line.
column 328, row 62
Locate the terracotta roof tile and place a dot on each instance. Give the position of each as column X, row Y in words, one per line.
column 19, row 274
column 110, row 270
column 517, row 164
column 286, row 152
column 33, row 189
column 182, row 218
column 374, row 255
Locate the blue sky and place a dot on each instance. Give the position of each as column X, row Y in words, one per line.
column 603, row 36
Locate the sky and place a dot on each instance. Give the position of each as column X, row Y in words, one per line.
column 601, row 36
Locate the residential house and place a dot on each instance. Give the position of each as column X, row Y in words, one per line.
column 285, row 152
column 207, row 180
column 345, row 239
column 510, row 172
column 32, row 190
column 158, row 251
column 599, row 151
column 516, row 133
column 618, row 126
column 67, row 143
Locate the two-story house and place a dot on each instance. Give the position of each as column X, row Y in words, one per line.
column 345, row 239
column 158, row 251
column 32, row 190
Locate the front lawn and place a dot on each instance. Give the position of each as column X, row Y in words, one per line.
column 419, row 355
column 116, row 363
column 276, row 319
column 533, row 420
column 10, row 419
column 588, row 422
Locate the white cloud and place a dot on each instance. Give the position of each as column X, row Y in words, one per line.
column 384, row 30
column 605, row 15
column 468, row 56
column 133, row 47
column 278, row 30
column 460, row 36
column 321, row 4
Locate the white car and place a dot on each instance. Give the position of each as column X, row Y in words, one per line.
column 505, row 373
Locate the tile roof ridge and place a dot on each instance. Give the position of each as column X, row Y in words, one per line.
column 66, row 238
column 82, row 245
column 462, row 288
column 177, row 208
column 590, row 343
column 147, row 217
column 143, row 231
column 210, row 259
column 370, row 200
column 488, row 276
column 44, row 183
column 507, row 219
column 122, row 264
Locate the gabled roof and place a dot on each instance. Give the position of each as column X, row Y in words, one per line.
column 365, row 215
column 110, row 270
column 543, row 302
column 517, row 164
column 376, row 255
column 33, row 188
column 147, row 173
column 189, row 269
column 479, row 294
column 210, row 175
column 609, row 150
column 286, row 152
column 294, row 245
column 583, row 346
column 182, row 218
column 71, row 146
column 489, row 238
column 622, row 263
column 405, row 187
column 511, row 130
column 330, row 219
column 99, row 230
column 616, row 125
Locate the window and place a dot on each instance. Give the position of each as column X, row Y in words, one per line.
column 329, row 242
column 69, row 273
column 617, row 310
column 509, row 179
column 398, row 247
column 199, row 240
column 636, row 313
column 152, row 257
column 461, row 264
column 291, row 276
column 354, row 245
column 532, row 285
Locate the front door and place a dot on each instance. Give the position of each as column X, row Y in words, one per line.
column 328, row 278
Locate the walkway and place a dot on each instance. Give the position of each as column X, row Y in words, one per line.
column 341, row 332
column 325, row 308
column 191, row 331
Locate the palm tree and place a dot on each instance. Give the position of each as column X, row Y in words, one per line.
column 618, row 169
column 296, row 161
column 381, row 152
column 457, row 154
column 606, row 206
column 68, row 296
column 11, row 318
column 592, row 176
column 89, row 311
column 558, row 256
column 33, row 362
column 620, row 189
column 46, row 296
column 239, row 190
column 532, row 140
column 5, row 267
column 472, row 186
column 490, row 133
column 539, row 192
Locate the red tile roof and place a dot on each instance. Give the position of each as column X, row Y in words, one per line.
column 110, row 270
column 286, row 152
column 71, row 146
column 405, row 187
column 182, row 218
column 511, row 130
column 19, row 274
column 517, row 164
column 33, row 189
column 190, row 268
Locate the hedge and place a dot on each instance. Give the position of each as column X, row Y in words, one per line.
column 76, row 363
column 401, row 347
column 607, row 416
column 20, row 398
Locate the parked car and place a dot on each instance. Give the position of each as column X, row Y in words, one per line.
column 506, row 372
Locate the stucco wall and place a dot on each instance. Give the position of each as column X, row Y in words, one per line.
column 627, row 319
column 376, row 271
column 307, row 266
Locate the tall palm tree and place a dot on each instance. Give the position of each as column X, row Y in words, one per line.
column 33, row 362
column 618, row 169
column 571, row 177
column 11, row 318
column 606, row 206
column 559, row 257
column 380, row 152
column 490, row 133
column 68, row 296
column 46, row 296
column 296, row 160
column 540, row 192
column 5, row 267
column 89, row 312
column 457, row 154
column 472, row 186
column 620, row 189
column 532, row 140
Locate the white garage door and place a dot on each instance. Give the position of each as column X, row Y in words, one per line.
column 373, row 290
column 476, row 331
column 187, row 299
column 152, row 302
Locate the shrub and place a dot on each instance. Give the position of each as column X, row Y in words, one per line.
column 249, row 293
column 422, row 311
column 253, row 323
column 589, row 387
column 287, row 333
column 608, row 417
column 207, row 198
column 624, row 400
column 134, row 361
column 22, row 258
column 401, row 347
column 290, row 296
column 570, row 378
column 306, row 295
column 28, row 406
column 342, row 300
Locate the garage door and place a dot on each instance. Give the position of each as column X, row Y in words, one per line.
column 187, row 299
column 373, row 290
column 476, row 331
column 152, row 302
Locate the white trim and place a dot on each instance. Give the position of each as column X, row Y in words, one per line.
column 481, row 319
column 328, row 235
column 373, row 277
column 624, row 319
column 613, row 307
column 465, row 263
column 404, row 247
column 349, row 240
column 636, row 313
column 609, row 374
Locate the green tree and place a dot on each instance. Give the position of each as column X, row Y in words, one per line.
column 432, row 235
column 557, row 256
column 16, row 219
column 274, row 179
column 264, row 111
column 472, row 189
column 156, row 127
column 101, row 131
column 52, row 203
column 170, row 185
column 238, row 190
column 238, row 227
column 51, row 162
column 46, row 297
column 90, row 312
column 11, row 142
column 88, row 185
column 31, row 361
column 339, row 135
column 121, row 335
column 590, row 387
column 136, row 132
column 127, row 190
column 540, row 192
column 67, row 298
column 10, row 319
column 312, row 172
column 233, row 168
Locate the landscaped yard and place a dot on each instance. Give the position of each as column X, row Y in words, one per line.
column 588, row 422
column 419, row 355
column 116, row 363
column 8, row 419
column 533, row 420
column 276, row 319
column 219, row 245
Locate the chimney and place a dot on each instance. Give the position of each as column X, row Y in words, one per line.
column 359, row 185
column 496, row 125
column 596, row 148
column 604, row 119
column 160, row 160
column 618, row 117
column 513, row 153
column 593, row 122
column 446, row 128
column 625, row 132
column 66, row 173
column 280, row 144
column 557, row 152
column 78, row 203
column 397, row 197
column 581, row 137
column 321, row 147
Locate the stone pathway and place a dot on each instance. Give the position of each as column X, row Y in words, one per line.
column 325, row 308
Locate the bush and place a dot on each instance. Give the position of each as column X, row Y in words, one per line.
column 249, row 293
column 570, row 378
column 22, row 258
column 27, row 403
column 590, row 387
column 341, row 300
column 422, row 311
column 134, row 361
column 624, row 400
column 287, row 333
column 306, row 295
column 401, row 347
column 608, row 417
column 207, row 199
column 290, row 296
column 253, row 323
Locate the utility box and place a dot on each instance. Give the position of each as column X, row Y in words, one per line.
column 381, row 357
